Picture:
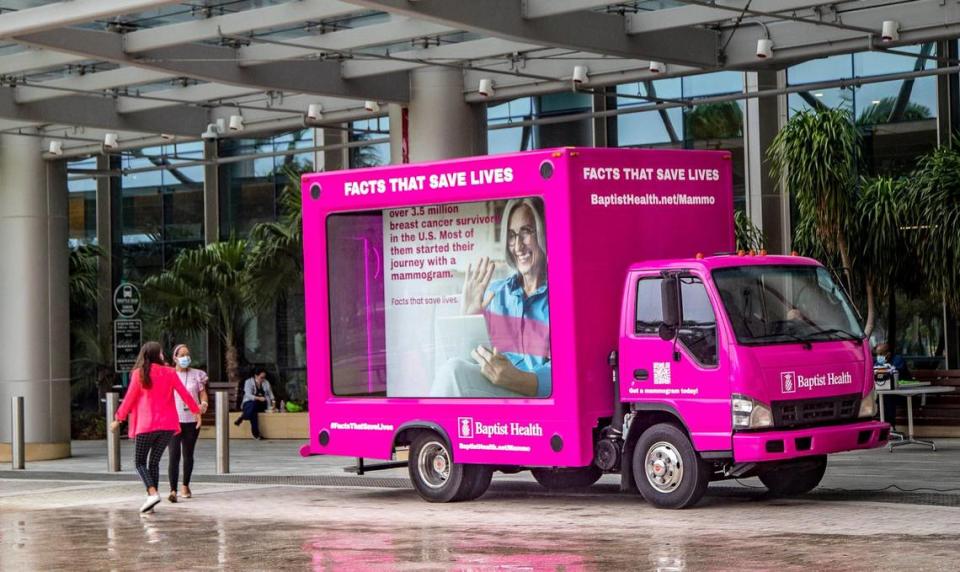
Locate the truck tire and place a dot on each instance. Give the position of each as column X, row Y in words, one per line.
column 437, row 478
column 567, row 479
column 667, row 469
column 794, row 478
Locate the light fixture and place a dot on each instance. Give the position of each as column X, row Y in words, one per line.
column 486, row 88
column 875, row 102
column 580, row 75
column 890, row 32
column 818, row 94
column 167, row 136
column 314, row 111
column 110, row 141
column 211, row 133
column 56, row 147
column 658, row 67
column 765, row 44
column 764, row 48
column 236, row 123
column 370, row 105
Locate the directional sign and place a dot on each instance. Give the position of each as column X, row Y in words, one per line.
column 126, row 300
column 127, row 339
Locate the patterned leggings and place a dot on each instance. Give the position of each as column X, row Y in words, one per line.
column 150, row 444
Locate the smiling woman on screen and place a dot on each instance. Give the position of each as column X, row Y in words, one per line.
column 517, row 313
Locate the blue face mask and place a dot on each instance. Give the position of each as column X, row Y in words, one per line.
column 183, row 361
column 882, row 360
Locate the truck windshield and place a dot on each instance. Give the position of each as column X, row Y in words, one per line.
column 785, row 304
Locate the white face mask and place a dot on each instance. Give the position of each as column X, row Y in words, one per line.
column 183, row 361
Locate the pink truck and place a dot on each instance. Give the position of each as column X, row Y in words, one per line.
column 572, row 312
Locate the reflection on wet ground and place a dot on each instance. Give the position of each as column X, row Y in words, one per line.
column 83, row 526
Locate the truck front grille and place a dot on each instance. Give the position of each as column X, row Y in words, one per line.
column 819, row 411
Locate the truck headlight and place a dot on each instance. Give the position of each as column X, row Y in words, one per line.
column 868, row 405
column 749, row 413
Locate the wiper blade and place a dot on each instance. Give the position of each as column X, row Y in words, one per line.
column 833, row 331
column 794, row 337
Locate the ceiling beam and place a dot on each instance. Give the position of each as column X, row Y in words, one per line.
column 721, row 10
column 443, row 54
column 219, row 64
column 59, row 14
column 236, row 23
column 125, row 76
column 101, row 113
column 582, row 31
column 543, row 8
column 920, row 21
column 35, row 60
column 397, row 29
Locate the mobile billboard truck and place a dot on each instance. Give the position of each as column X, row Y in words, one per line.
column 553, row 311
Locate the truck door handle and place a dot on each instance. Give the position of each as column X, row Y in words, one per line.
column 640, row 374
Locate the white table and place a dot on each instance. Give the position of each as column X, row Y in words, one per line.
column 922, row 391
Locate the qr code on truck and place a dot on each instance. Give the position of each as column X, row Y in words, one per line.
column 661, row 372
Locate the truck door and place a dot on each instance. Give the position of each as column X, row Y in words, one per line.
column 688, row 376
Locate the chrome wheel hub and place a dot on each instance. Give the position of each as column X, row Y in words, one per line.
column 664, row 467
column 433, row 463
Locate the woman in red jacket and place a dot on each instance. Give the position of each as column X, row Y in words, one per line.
column 153, row 415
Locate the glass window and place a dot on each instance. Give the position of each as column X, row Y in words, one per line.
column 785, row 304
column 372, row 154
column 698, row 331
column 649, row 307
column 416, row 312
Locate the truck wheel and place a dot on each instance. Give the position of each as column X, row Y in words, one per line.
column 667, row 469
column 794, row 478
column 437, row 478
column 567, row 478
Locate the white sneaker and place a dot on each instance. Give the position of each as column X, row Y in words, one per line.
column 151, row 502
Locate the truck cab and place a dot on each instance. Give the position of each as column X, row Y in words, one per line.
column 739, row 365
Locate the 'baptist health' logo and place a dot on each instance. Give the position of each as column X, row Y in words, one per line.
column 465, row 427
column 788, row 382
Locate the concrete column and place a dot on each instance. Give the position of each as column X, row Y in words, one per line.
column 767, row 204
column 339, row 157
column 109, row 239
column 441, row 124
column 211, row 234
column 34, row 298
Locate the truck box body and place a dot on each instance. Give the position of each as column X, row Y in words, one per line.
column 375, row 314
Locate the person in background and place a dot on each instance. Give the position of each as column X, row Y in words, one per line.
column 195, row 381
column 885, row 359
column 257, row 397
column 153, row 415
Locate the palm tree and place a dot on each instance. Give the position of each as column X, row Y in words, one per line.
column 90, row 362
column 207, row 288
column 884, row 110
column 714, row 121
column 881, row 252
column 933, row 221
column 748, row 235
column 276, row 261
column 816, row 156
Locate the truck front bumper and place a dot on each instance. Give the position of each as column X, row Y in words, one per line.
column 779, row 445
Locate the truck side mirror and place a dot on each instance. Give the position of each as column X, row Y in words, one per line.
column 670, row 307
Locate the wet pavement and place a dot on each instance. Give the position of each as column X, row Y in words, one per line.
column 72, row 525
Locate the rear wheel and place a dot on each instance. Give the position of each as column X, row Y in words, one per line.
column 794, row 478
column 566, row 479
column 667, row 469
column 437, row 478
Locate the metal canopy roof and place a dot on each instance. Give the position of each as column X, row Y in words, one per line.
column 75, row 69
